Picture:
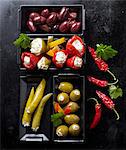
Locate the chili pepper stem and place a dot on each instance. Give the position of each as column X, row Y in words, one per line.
column 116, row 114
column 113, row 82
column 111, row 74
column 93, row 99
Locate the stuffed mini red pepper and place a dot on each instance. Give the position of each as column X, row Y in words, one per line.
column 60, row 58
column 75, row 46
column 29, row 60
column 74, row 62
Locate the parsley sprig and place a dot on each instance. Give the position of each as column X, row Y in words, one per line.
column 105, row 51
column 22, row 41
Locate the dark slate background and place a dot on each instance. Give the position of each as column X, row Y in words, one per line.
column 105, row 23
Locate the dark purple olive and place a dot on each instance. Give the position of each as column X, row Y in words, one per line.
column 33, row 15
column 37, row 19
column 45, row 13
column 73, row 15
column 64, row 27
column 71, row 22
column 75, row 27
column 45, row 28
column 31, row 26
column 63, row 13
column 55, row 28
column 51, row 20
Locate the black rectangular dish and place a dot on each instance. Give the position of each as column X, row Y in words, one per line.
column 78, row 82
column 25, row 11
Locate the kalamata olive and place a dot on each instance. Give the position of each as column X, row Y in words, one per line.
column 45, row 13
column 74, row 130
column 65, row 87
column 45, row 28
column 31, row 26
column 72, row 118
column 33, row 15
column 51, row 20
column 63, row 13
column 71, row 22
column 55, row 28
column 73, row 15
column 39, row 20
column 75, row 95
column 63, row 98
column 62, row 131
column 64, row 27
column 75, row 27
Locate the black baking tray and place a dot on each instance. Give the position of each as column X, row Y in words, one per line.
column 25, row 10
column 46, row 133
column 78, row 83
column 52, row 67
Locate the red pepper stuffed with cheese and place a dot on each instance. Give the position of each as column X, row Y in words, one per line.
column 74, row 62
column 75, row 46
column 60, row 58
column 29, row 60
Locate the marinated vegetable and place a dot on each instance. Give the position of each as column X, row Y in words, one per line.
column 37, row 97
column 39, row 111
column 63, row 98
column 43, row 63
column 65, row 87
column 51, row 52
column 74, row 130
column 75, row 95
column 57, row 42
column 38, row 46
column 62, row 131
column 71, row 108
column 26, row 119
column 72, row 118
column 57, row 108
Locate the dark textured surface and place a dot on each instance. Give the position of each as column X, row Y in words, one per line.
column 106, row 23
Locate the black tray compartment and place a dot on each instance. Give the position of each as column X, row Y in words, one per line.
column 25, row 10
column 79, row 83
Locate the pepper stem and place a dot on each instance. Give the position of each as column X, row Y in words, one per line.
column 93, row 99
column 111, row 74
column 113, row 82
column 117, row 114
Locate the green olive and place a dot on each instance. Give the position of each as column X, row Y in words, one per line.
column 65, row 87
column 72, row 118
column 75, row 95
column 62, row 130
column 63, row 98
column 73, row 106
column 74, row 129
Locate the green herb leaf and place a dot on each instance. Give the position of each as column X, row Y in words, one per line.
column 56, row 116
column 115, row 92
column 22, row 41
column 57, row 122
column 105, row 51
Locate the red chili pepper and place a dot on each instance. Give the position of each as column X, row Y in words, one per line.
column 71, row 62
column 75, row 46
column 107, row 102
column 97, row 116
column 32, row 62
column 101, row 83
column 57, row 107
column 67, row 110
column 102, row 65
column 57, row 58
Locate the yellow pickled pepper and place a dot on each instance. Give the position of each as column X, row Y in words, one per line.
column 39, row 111
column 37, row 97
column 26, row 119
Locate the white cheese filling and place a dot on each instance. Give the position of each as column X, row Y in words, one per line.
column 60, row 57
column 76, row 92
column 26, row 60
column 42, row 64
column 61, row 98
column 36, row 46
column 78, row 45
column 78, row 62
column 75, row 127
column 59, row 133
